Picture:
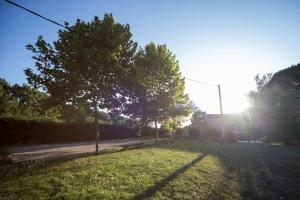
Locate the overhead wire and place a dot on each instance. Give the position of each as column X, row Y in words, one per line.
column 63, row 26
column 201, row 82
column 36, row 14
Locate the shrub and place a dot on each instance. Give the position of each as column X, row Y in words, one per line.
column 230, row 135
column 24, row 132
column 194, row 133
column 150, row 132
column 164, row 133
column 210, row 134
column 179, row 133
column 147, row 131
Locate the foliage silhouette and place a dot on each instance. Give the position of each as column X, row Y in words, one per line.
column 156, row 93
column 86, row 66
column 275, row 107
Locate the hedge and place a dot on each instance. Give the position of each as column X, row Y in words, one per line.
column 14, row 132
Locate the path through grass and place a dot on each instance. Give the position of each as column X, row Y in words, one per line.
column 181, row 170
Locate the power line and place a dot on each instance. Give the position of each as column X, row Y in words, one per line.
column 36, row 14
column 200, row 82
column 58, row 24
column 220, row 97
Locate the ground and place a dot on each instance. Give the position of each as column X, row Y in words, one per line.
column 178, row 170
column 49, row 151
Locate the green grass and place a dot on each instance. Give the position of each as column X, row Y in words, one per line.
column 180, row 170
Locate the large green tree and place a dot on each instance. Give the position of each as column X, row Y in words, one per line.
column 86, row 65
column 156, row 91
column 285, row 86
column 263, row 111
column 276, row 105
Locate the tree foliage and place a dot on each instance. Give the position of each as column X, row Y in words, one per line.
column 86, row 66
column 198, row 118
column 156, row 92
column 276, row 105
column 24, row 102
column 285, row 85
column 95, row 66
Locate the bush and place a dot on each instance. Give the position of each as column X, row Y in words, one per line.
column 230, row 135
column 194, row 133
column 24, row 132
column 150, row 132
column 147, row 132
column 179, row 133
column 212, row 134
column 164, row 133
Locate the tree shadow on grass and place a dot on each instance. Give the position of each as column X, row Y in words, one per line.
column 152, row 190
column 260, row 171
column 11, row 169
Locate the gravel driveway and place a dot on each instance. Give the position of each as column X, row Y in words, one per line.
column 46, row 151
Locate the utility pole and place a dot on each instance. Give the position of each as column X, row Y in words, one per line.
column 221, row 112
column 220, row 100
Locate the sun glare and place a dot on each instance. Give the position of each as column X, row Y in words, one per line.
column 235, row 105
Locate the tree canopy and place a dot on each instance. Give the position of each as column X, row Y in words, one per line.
column 85, row 64
column 24, row 102
column 85, row 67
column 275, row 107
column 156, row 91
column 95, row 66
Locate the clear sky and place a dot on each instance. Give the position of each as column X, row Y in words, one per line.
column 222, row 42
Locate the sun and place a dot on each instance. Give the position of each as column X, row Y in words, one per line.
column 235, row 104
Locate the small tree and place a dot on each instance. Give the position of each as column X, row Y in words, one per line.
column 177, row 115
column 156, row 86
column 86, row 65
column 198, row 118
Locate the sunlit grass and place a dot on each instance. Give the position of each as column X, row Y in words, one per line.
column 182, row 170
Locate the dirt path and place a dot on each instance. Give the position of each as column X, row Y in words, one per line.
column 37, row 152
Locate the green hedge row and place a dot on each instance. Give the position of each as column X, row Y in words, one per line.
column 14, row 132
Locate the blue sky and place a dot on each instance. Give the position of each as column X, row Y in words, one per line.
column 223, row 42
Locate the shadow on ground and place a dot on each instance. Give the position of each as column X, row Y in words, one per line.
column 261, row 171
column 10, row 169
column 257, row 171
column 152, row 190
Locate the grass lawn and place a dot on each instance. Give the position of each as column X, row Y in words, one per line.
column 179, row 170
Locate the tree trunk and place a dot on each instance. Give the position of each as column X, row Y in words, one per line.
column 156, row 130
column 97, row 129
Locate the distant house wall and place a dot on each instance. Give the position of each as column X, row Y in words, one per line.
column 230, row 121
